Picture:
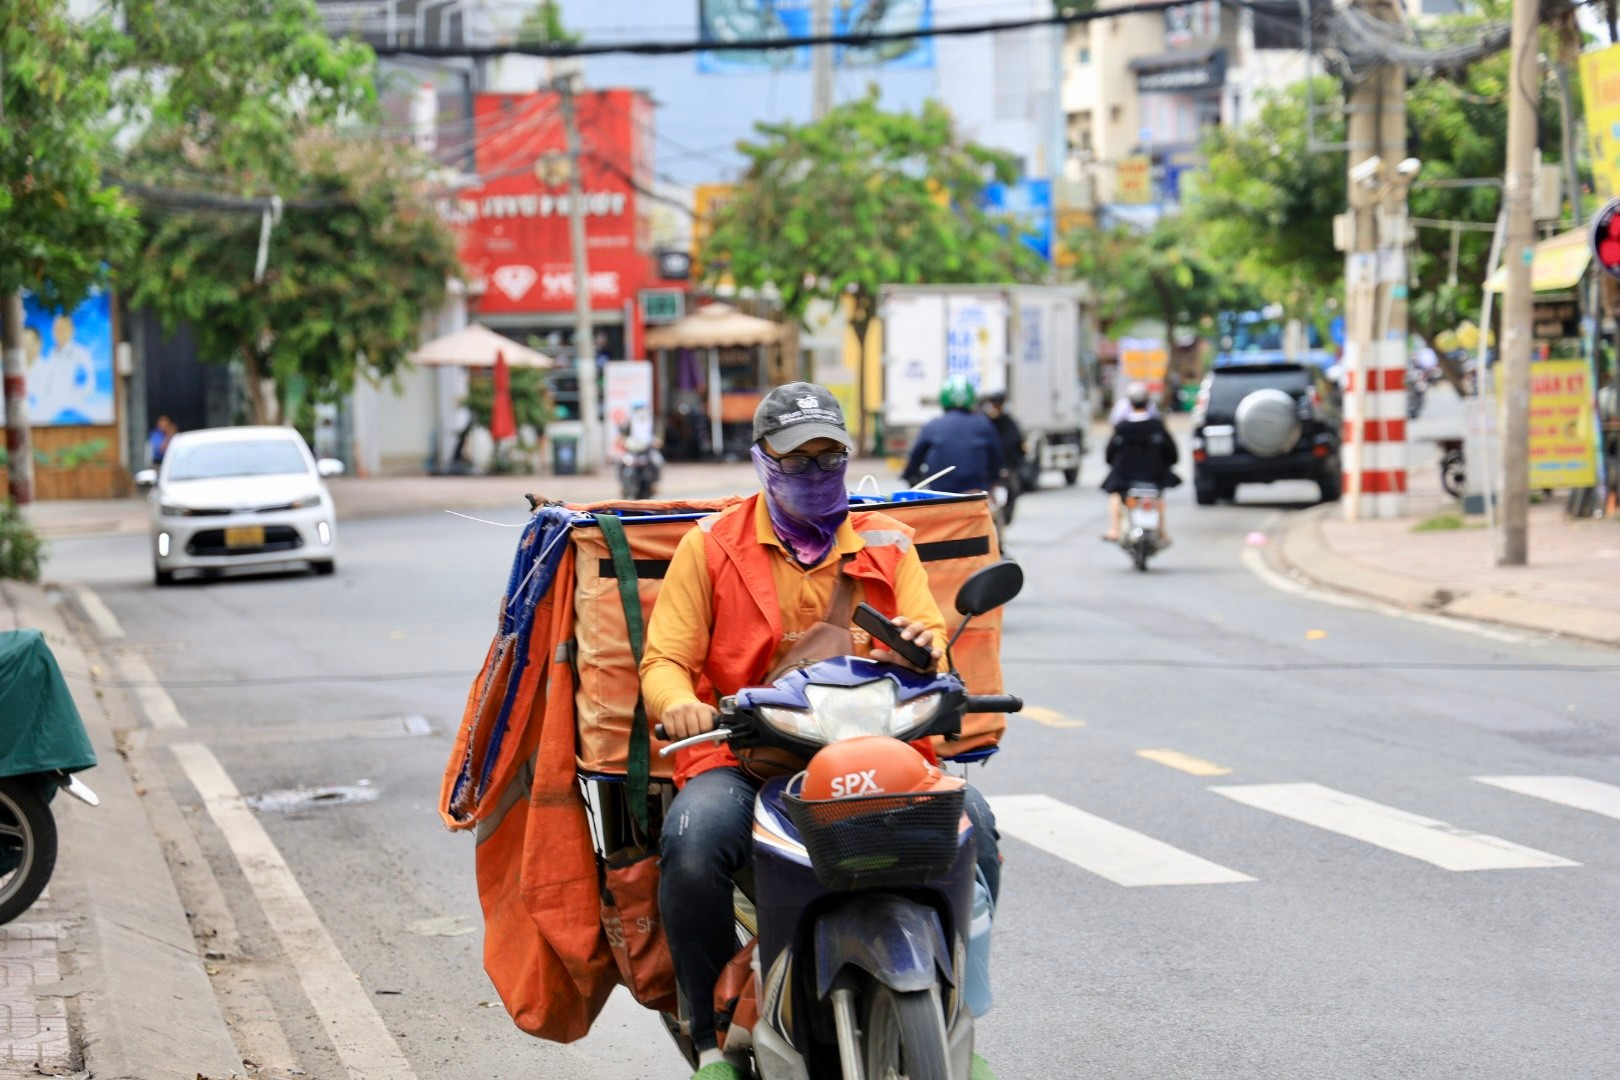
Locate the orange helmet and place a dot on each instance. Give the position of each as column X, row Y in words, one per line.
column 871, row 765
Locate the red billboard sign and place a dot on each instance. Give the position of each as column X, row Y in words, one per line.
column 514, row 224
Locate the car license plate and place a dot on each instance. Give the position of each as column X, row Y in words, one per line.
column 1218, row 441
column 245, row 536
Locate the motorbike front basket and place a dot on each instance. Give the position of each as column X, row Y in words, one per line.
column 862, row 841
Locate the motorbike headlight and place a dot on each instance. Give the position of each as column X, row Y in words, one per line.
column 306, row 502
column 846, row 711
column 798, row 723
column 909, row 715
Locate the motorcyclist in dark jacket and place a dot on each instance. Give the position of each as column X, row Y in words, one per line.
column 961, row 438
column 1142, row 452
column 1012, row 448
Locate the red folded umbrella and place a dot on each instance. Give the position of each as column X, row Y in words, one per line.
column 502, row 425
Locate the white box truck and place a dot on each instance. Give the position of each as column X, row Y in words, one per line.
column 1028, row 340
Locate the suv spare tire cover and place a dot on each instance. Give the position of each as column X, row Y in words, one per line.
column 1268, row 422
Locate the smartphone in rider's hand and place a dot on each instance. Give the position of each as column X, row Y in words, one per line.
column 891, row 637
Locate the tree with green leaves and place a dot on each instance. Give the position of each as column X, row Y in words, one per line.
column 1161, row 273
column 353, row 255
column 863, row 198
column 1265, row 205
column 59, row 223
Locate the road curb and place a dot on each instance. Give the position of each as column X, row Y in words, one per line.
column 146, row 1008
column 1300, row 547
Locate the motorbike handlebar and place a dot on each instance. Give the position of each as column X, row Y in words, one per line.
column 1003, row 703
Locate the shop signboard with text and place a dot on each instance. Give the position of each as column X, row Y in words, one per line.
column 1562, row 429
column 514, row 227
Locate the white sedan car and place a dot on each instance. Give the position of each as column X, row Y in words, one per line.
column 243, row 496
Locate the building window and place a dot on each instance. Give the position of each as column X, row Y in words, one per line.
column 1115, row 113
column 1085, row 56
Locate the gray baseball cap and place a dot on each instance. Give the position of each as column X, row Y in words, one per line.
column 797, row 413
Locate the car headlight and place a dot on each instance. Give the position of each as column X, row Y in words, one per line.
column 306, row 502
column 168, row 509
column 846, row 711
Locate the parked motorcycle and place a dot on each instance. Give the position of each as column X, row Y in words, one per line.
column 1141, row 538
column 866, row 959
column 42, row 744
column 1453, row 467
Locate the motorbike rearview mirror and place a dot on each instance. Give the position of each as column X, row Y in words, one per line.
column 985, row 590
column 989, row 588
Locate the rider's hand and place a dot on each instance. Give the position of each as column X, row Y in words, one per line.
column 687, row 719
column 911, row 630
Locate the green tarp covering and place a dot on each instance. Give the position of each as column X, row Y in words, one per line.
column 40, row 729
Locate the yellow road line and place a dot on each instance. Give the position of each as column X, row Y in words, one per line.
column 1050, row 717
column 1185, row 762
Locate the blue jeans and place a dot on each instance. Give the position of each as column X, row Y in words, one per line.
column 708, row 836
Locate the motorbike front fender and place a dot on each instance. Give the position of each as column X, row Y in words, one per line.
column 896, row 941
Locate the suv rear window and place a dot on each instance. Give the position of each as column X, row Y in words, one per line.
column 1229, row 387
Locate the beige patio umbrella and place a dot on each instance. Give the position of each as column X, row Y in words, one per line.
column 714, row 327
column 475, row 346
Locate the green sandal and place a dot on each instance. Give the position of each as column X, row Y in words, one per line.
column 720, row 1070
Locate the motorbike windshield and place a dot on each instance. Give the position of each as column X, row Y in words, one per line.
column 40, row 730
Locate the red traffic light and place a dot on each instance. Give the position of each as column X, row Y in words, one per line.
column 1606, row 238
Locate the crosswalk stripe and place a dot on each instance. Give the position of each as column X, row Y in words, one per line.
column 1110, row 851
column 1576, row 791
column 1436, row 842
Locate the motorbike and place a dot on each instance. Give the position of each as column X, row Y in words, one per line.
column 866, row 920
column 1141, row 538
column 638, row 471
column 42, row 745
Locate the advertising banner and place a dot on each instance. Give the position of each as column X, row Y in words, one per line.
column 1600, row 86
column 627, row 394
column 1562, row 428
column 1143, row 360
column 68, row 359
column 764, row 20
column 1135, row 185
column 515, row 227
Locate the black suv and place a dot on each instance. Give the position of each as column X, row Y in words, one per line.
column 1256, row 423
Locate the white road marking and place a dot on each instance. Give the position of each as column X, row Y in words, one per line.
column 143, row 681
column 1256, row 564
column 358, row 1033
column 1110, row 851
column 98, row 613
column 1576, row 791
column 1436, row 842
column 361, row 1039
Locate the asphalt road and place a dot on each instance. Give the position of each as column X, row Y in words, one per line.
column 1313, row 954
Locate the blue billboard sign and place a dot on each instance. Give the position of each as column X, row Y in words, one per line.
column 1029, row 203
column 767, row 20
column 68, row 358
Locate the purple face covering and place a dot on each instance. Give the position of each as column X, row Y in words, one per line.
column 806, row 509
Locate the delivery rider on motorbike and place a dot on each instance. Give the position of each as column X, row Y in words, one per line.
column 766, row 571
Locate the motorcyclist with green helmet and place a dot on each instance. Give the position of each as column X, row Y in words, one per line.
column 961, row 439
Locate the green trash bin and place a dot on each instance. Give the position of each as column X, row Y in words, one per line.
column 564, row 455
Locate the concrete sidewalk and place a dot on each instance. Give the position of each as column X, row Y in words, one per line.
column 386, row 496
column 103, row 978
column 1571, row 587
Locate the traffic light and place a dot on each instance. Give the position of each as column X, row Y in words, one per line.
column 1606, row 238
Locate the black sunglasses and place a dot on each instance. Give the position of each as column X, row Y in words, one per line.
column 794, row 464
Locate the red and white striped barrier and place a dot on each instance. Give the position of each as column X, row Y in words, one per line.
column 1374, row 441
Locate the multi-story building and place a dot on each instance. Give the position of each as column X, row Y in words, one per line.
column 1140, row 91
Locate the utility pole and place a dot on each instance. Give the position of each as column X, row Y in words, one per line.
column 584, row 333
column 1513, row 538
column 19, row 445
column 1376, row 284
column 821, row 62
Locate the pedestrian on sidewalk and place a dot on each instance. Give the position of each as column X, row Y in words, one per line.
column 157, row 442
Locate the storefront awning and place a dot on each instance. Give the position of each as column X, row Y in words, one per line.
column 1556, row 263
column 475, row 347
column 715, row 326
